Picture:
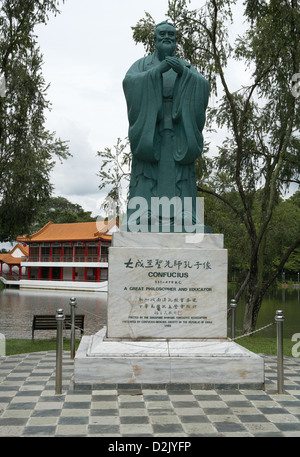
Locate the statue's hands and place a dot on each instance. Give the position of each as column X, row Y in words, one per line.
column 164, row 66
column 175, row 64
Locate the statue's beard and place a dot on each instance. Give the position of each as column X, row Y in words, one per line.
column 165, row 50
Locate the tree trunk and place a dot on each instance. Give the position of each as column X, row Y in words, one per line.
column 253, row 304
column 255, row 294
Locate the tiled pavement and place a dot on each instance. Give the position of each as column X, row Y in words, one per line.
column 29, row 406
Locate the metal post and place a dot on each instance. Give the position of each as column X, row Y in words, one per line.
column 59, row 350
column 233, row 305
column 279, row 318
column 73, row 306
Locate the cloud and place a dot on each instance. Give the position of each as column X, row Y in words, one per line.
column 77, row 175
column 87, row 50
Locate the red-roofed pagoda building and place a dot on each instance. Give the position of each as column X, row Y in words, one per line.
column 10, row 264
column 68, row 256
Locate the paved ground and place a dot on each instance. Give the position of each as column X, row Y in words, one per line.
column 30, row 408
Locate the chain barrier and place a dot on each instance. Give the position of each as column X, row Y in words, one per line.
column 279, row 318
column 231, row 339
column 251, row 333
column 88, row 312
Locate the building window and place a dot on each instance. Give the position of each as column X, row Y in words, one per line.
column 92, row 253
column 44, row 273
column 79, row 253
column 104, row 253
column 68, row 253
column 56, row 254
column 91, row 274
column 104, row 274
column 55, row 273
column 34, row 253
column 45, row 253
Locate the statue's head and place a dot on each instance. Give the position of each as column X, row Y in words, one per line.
column 165, row 38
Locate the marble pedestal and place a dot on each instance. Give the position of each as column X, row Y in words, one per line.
column 167, row 317
column 202, row 363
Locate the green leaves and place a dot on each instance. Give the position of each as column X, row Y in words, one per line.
column 60, row 211
column 114, row 174
column 143, row 32
column 258, row 157
column 27, row 149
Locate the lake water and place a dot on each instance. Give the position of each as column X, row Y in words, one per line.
column 17, row 308
column 287, row 300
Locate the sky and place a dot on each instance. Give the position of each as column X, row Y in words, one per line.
column 87, row 50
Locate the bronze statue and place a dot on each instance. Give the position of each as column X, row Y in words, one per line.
column 166, row 100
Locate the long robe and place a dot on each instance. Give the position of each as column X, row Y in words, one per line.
column 166, row 114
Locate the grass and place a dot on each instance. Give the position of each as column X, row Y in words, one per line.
column 264, row 345
column 16, row 346
column 254, row 343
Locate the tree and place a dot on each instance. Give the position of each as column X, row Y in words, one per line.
column 60, row 211
column 282, row 230
column 262, row 145
column 115, row 173
column 27, row 149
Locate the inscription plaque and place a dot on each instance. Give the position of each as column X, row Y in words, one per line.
column 167, row 293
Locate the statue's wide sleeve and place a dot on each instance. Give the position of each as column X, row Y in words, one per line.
column 143, row 93
column 190, row 103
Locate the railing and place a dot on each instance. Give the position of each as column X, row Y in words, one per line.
column 279, row 319
column 64, row 280
column 13, row 276
column 67, row 258
column 16, row 277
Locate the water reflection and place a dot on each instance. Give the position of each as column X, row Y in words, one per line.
column 287, row 300
column 17, row 308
